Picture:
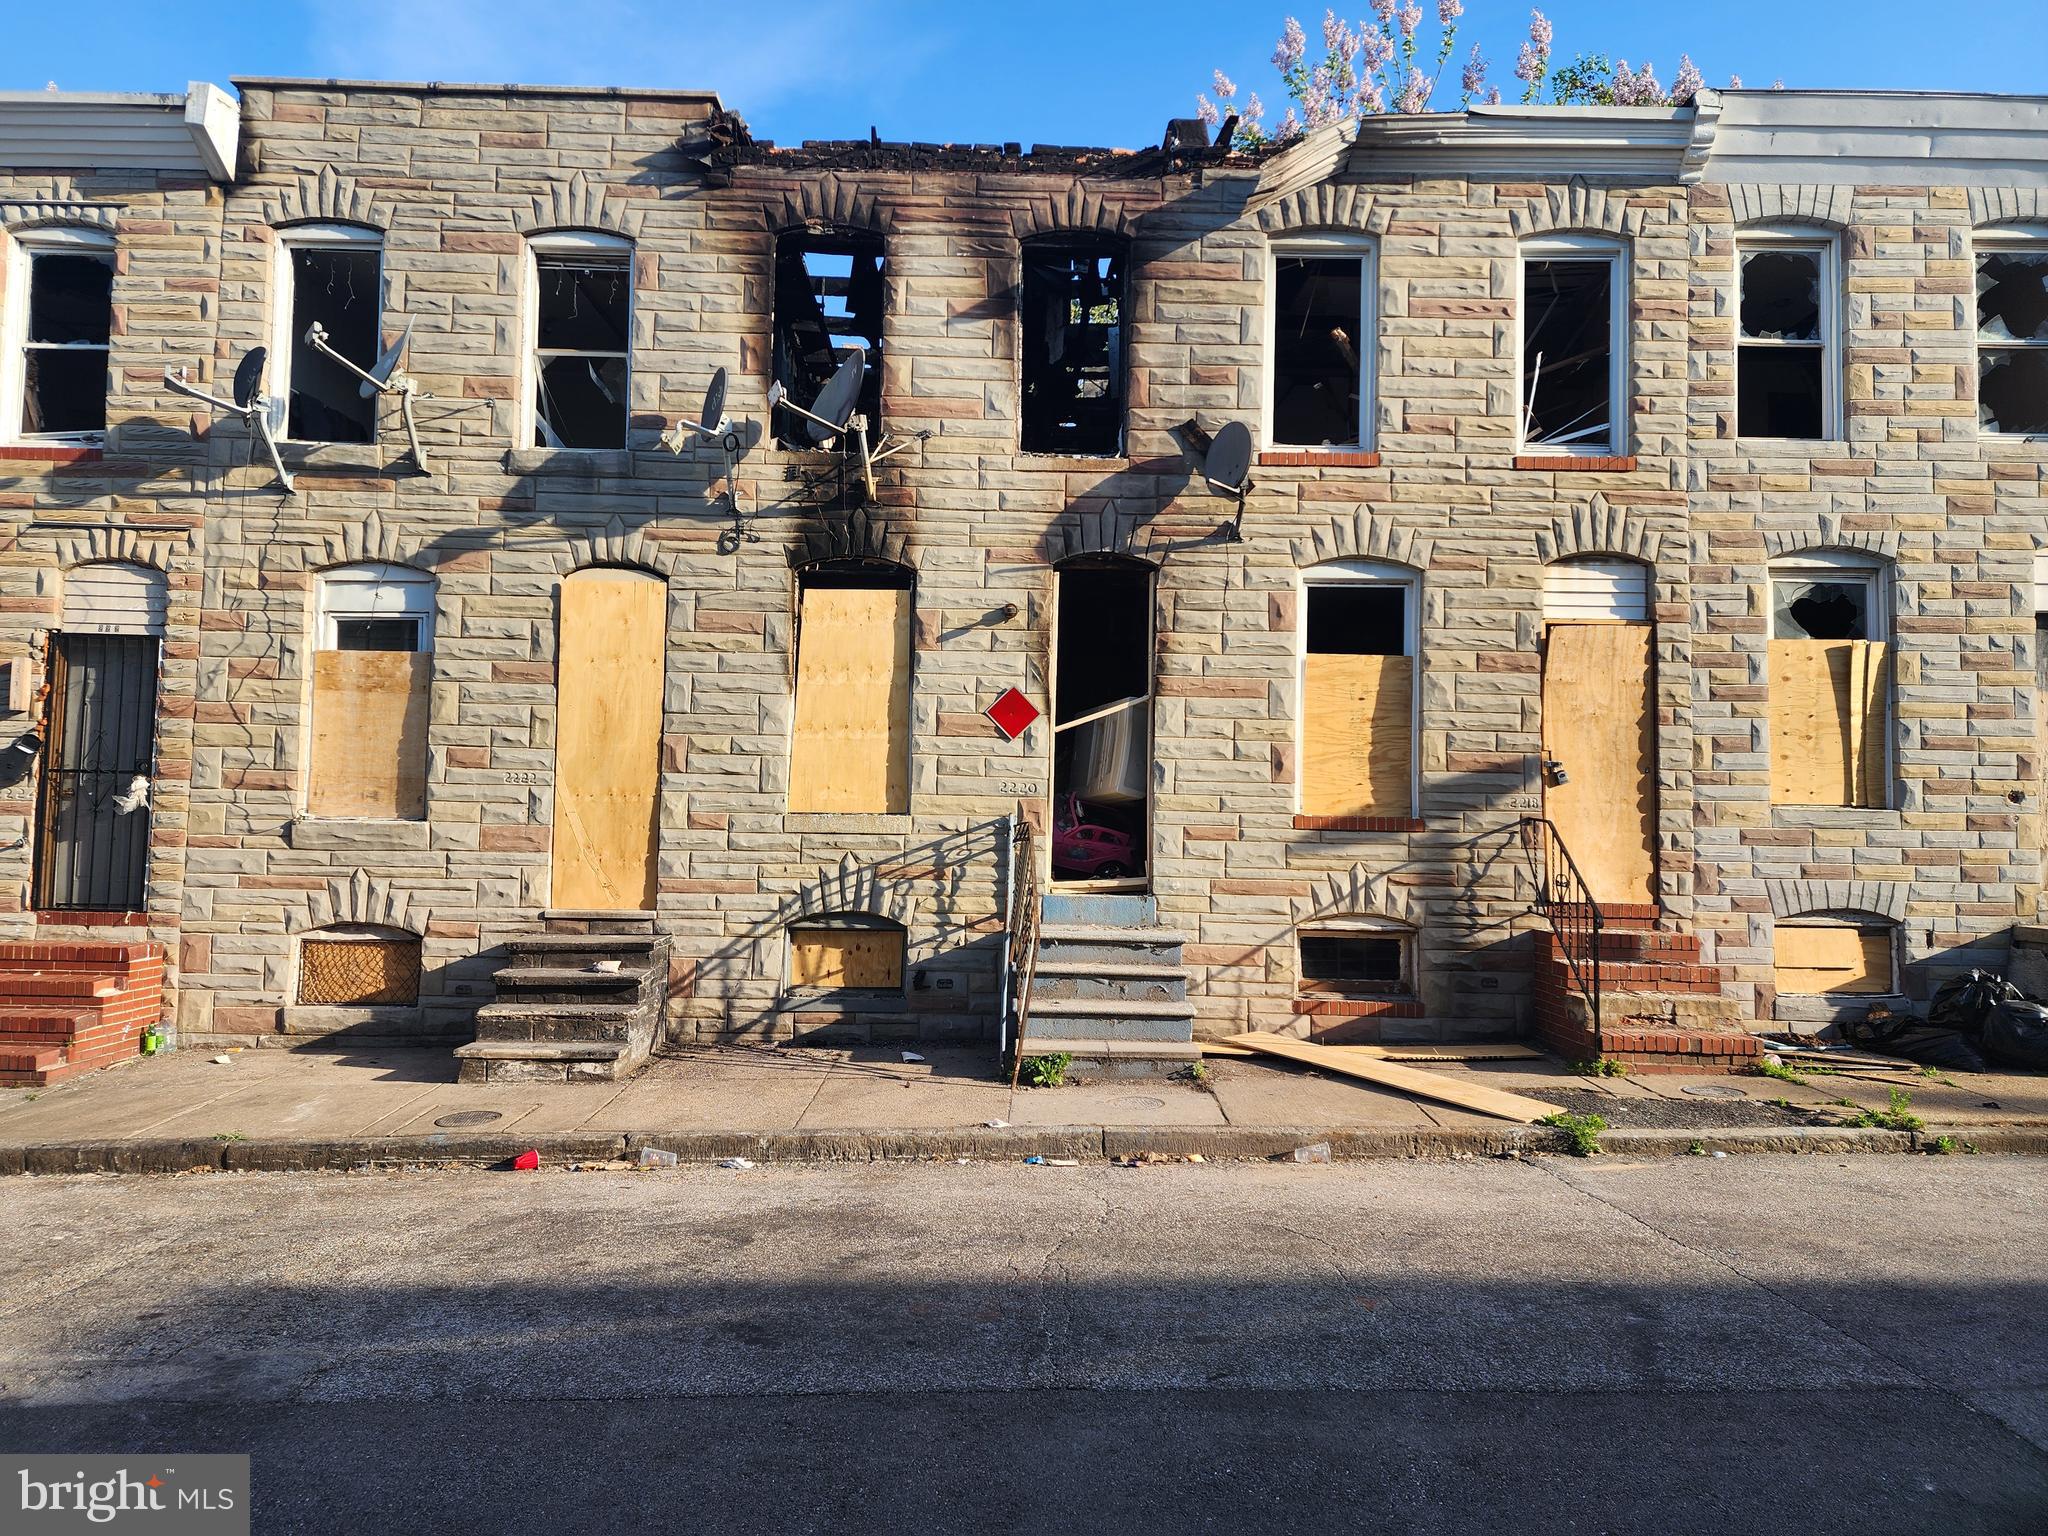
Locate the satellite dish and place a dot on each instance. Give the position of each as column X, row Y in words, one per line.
column 386, row 364
column 833, row 408
column 249, row 377
column 1228, row 464
column 712, row 418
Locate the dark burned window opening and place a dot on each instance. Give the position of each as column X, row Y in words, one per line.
column 2012, row 339
column 1355, row 960
column 65, row 346
column 1073, row 334
column 340, row 288
column 376, row 634
column 583, row 316
column 1357, row 619
column 1321, row 347
column 1782, row 383
column 1570, row 399
column 830, row 294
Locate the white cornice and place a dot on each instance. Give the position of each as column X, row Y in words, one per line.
column 1650, row 142
column 110, row 131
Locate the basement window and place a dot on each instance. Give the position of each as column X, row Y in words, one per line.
column 829, row 297
column 846, row 952
column 582, row 329
column 1830, row 683
column 1361, row 957
column 1358, row 692
column 358, row 965
column 59, row 293
column 1572, row 324
column 330, row 275
column 1321, row 342
column 1784, row 377
column 1073, row 326
column 2012, row 338
column 1819, row 956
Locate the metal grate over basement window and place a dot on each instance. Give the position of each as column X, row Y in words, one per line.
column 359, row 966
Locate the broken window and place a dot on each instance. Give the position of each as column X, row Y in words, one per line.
column 848, row 952
column 372, row 678
column 1365, row 958
column 330, row 276
column 1571, row 319
column 359, row 965
column 65, row 325
column 583, row 324
column 1321, row 346
column 829, row 293
column 1358, row 693
column 850, row 738
column 1783, row 377
column 1830, row 684
column 2012, row 339
column 1073, row 327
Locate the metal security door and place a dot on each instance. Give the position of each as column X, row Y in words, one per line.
column 92, row 849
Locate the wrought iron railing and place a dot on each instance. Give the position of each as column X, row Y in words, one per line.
column 1563, row 899
column 1021, row 929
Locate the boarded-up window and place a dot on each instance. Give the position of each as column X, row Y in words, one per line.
column 846, row 955
column 1365, row 958
column 1358, row 700
column 1830, row 690
column 1834, row 957
column 372, row 679
column 359, row 967
column 850, row 747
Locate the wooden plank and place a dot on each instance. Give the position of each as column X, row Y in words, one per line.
column 610, row 653
column 845, row 957
column 1832, row 957
column 850, row 744
column 1506, row 1050
column 1358, row 717
column 1409, row 1080
column 1598, row 722
column 369, row 755
column 1870, row 720
column 1830, row 722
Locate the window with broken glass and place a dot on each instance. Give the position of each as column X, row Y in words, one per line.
column 583, row 322
column 63, row 281
column 1073, row 331
column 1571, row 354
column 830, row 288
column 1784, row 374
column 1321, row 346
column 330, row 277
column 2012, row 338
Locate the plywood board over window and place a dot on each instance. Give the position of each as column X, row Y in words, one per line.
column 1829, row 722
column 370, row 734
column 850, row 747
column 834, row 957
column 1833, row 957
column 1359, row 753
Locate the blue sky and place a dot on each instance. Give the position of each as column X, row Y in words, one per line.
column 1055, row 71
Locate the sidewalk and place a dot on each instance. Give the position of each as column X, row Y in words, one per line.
column 325, row 1109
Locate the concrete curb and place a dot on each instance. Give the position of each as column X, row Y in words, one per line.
column 1089, row 1143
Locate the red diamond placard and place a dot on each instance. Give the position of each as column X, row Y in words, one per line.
column 1012, row 713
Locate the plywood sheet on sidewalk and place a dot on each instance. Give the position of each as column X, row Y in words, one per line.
column 1409, row 1080
column 608, row 679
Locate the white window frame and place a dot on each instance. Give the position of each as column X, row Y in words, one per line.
column 1365, row 251
column 1837, row 565
column 2008, row 237
column 1362, row 573
column 1362, row 925
column 567, row 242
column 1750, row 242
column 374, row 590
column 277, row 383
column 23, row 246
column 1579, row 248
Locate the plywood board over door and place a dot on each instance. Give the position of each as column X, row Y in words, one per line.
column 611, row 644
column 1598, row 722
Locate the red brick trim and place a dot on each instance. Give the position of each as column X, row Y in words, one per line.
column 1310, row 458
column 1357, row 1008
column 27, row 453
column 92, row 919
column 1611, row 461
column 1358, row 823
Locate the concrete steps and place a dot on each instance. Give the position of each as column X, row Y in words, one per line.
column 1110, row 989
column 578, row 1003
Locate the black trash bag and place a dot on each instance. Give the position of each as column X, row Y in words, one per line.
column 1904, row 1036
column 2015, row 1034
column 1965, row 1002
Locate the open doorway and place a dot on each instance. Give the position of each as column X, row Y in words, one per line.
column 1102, row 725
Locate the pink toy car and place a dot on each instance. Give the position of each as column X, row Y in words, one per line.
column 1087, row 850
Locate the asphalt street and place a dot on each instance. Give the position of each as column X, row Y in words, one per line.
column 1752, row 1344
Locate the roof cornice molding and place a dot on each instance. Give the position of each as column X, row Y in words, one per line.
column 102, row 130
column 1646, row 142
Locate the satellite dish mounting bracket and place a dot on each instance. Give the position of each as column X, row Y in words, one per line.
column 254, row 409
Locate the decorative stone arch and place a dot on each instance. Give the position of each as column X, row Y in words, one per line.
column 1599, row 528
column 2008, row 205
column 1576, row 207
column 44, row 212
column 614, row 545
column 1362, row 537
column 1358, row 892
column 1813, row 898
column 371, row 539
column 860, row 535
column 125, row 546
column 360, row 898
column 1079, row 210
column 1783, row 543
column 1335, row 209
column 831, row 202
column 853, row 887
column 1770, row 203
column 1103, row 531
column 581, row 202
column 328, row 198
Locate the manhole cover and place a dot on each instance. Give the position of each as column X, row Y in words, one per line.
column 1716, row 1091
column 462, row 1119
column 1140, row 1102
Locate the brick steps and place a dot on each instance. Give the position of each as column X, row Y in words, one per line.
column 72, row 1008
column 1661, row 1009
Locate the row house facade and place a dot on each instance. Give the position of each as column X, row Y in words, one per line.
column 1642, row 517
